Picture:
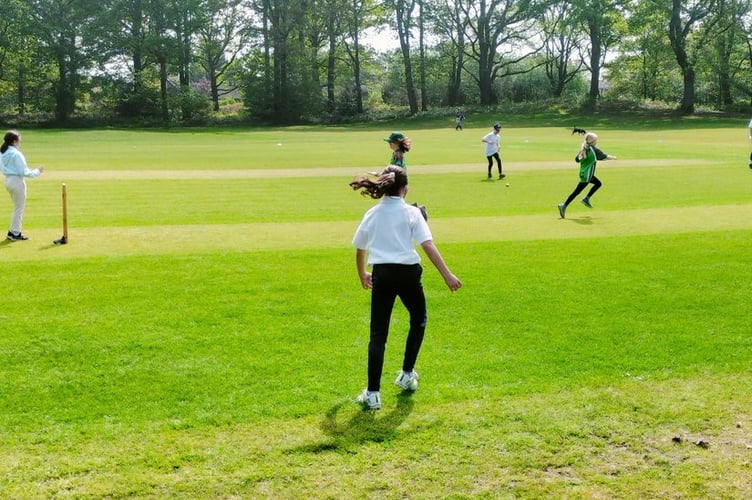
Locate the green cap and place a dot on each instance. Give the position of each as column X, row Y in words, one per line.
column 395, row 137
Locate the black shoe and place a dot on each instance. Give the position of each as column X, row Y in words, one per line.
column 489, row 176
column 16, row 236
column 501, row 176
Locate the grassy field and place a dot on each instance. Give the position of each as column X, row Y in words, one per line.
column 204, row 333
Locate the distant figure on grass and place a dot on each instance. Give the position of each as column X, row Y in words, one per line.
column 587, row 158
column 750, row 138
column 15, row 171
column 459, row 120
column 400, row 145
column 493, row 144
column 384, row 240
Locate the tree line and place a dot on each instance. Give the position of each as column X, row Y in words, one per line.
column 284, row 61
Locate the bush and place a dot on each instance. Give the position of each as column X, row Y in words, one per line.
column 189, row 106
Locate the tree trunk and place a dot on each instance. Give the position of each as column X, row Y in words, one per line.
column 412, row 95
column 331, row 71
column 403, row 30
column 358, row 81
column 485, row 64
column 688, row 99
column 422, row 50
column 214, row 88
column 453, row 88
column 724, row 48
column 64, row 97
column 21, row 90
column 678, row 38
column 596, row 52
column 137, row 32
column 485, row 82
column 162, row 61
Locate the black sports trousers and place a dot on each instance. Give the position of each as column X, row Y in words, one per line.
column 581, row 186
column 389, row 282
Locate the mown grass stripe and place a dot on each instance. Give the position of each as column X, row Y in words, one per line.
column 477, row 167
column 188, row 239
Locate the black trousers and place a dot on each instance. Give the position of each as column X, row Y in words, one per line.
column 580, row 186
column 389, row 282
column 490, row 162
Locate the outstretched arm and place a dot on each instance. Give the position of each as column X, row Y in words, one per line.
column 600, row 155
column 452, row 281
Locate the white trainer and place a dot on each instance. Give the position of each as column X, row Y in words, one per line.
column 408, row 381
column 370, row 399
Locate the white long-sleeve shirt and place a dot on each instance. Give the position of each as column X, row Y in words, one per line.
column 14, row 163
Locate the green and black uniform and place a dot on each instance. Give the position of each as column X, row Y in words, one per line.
column 587, row 173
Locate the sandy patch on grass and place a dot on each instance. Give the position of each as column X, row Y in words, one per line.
column 69, row 175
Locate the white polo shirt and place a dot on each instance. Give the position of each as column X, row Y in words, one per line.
column 388, row 231
column 493, row 142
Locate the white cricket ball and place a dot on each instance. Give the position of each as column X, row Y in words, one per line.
column 507, row 184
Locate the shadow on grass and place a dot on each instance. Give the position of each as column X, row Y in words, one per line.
column 585, row 220
column 361, row 427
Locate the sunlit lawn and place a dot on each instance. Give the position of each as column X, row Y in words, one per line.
column 205, row 336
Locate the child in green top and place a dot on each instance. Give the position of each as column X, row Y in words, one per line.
column 400, row 145
column 587, row 158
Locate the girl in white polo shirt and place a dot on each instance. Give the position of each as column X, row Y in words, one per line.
column 493, row 144
column 384, row 240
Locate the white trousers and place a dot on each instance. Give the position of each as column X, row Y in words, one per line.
column 16, row 186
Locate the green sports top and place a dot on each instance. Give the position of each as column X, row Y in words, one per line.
column 398, row 158
column 587, row 164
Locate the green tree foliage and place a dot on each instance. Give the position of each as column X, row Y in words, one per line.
column 725, row 63
column 404, row 12
column 601, row 22
column 449, row 24
column 500, row 35
column 223, row 32
column 17, row 51
column 70, row 36
column 294, row 60
column 646, row 69
column 684, row 16
column 562, row 37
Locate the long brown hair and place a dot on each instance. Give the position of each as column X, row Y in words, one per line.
column 388, row 182
column 405, row 144
column 11, row 136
